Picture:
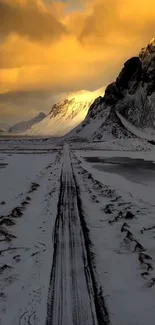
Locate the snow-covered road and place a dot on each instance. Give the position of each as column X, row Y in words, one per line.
column 73, row 296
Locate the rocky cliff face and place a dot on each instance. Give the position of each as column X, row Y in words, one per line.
column 132, row 95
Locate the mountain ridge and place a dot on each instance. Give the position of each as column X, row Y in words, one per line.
column 132, row 95
column 25, row 125
column 88, row 115
column 65, row 115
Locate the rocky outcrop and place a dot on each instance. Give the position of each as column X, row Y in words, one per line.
column 132, row 95
column 136, row 84
column 112, row 127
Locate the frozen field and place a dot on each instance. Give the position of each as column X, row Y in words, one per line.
column 77, row 233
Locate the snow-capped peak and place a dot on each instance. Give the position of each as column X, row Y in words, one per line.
column 84, row 96
column 66, row 114
column 147, row 53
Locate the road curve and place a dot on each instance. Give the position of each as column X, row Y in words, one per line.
column 72, row 294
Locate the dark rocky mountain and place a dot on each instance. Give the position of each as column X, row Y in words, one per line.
column 135, row 89
column 132, row 96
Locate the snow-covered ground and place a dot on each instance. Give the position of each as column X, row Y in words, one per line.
column 12, row 144
column 88, row 208
column 29, row 189
column 122, row 227
column 145, row 133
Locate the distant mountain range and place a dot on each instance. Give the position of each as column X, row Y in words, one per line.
column 4, row 127
column 126, row 110
column 26, row 125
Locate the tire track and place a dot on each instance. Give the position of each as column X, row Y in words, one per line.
column 74, row 298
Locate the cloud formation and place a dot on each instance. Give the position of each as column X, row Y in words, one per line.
column 62, row 46
column 30, row 18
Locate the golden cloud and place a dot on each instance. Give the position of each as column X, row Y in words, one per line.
column 30, row 18
column 61, row 46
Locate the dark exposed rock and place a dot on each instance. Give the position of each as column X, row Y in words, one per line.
column 7, row 222
column 113, row 126
column 4, row 268
column 129, row 215
column 145, row 274
column 108, row 209
column 93, row 108
column 152, row 282
column 139, row 247
column 149, row 267
column 124, row 227
column 16, row 213
column 131, row 72
column 129, row 235
column 146, row 256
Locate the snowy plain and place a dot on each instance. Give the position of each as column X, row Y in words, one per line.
column 29, row 188
column 121, row 240
column 118, row 211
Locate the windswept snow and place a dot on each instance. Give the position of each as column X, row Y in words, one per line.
column 77, row 233
column 120, row 218
column 26, row 236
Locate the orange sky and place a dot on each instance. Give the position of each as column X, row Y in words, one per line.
column 51, row 47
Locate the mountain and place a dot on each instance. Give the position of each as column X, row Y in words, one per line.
column 128, row 105
column 25, row 125
column 65, row 115
column 101, row 123
column 4, row 127
column 134, row 89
